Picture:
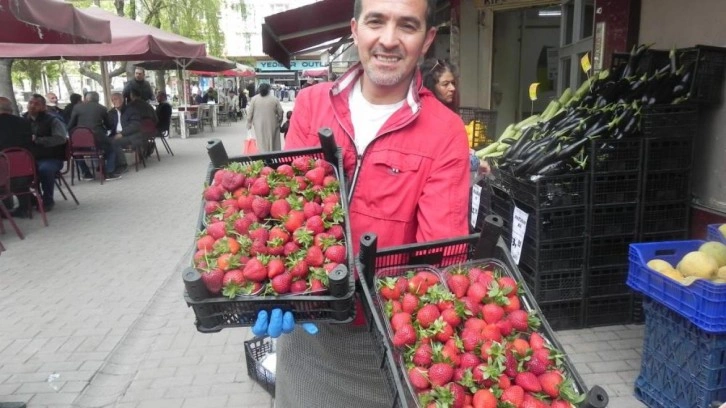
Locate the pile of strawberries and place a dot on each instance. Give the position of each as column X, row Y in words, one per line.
column 271, row 231
column 472, row 344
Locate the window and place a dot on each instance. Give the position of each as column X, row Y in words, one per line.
column 575, row 40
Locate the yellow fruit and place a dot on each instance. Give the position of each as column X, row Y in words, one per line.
column 698, row 264
column 721, row 273
column 673, row 274
column 722, row 229
column 659, row 265
column 717, row 251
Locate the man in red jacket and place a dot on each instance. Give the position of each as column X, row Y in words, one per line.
column 406, row 157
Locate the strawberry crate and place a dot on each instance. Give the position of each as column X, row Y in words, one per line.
column 256, row 350
column 615, row 188
column 440, row 254
column 214, row 313
column 714, row 234
column 702, row 302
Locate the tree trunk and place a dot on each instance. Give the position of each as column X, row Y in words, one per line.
column 97, row 3
column 160, row 78
column 6, row 82
column 119, row 4
column 66, row 80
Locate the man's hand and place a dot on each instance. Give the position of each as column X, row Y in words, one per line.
column 278, row 323
column 118, row 136
column 484, row 167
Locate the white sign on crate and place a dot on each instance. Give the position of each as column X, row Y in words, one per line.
column 519, row 226
column 475, row 200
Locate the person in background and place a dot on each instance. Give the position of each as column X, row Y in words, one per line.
column 163, row 113
column 286, row 126
column 92, row 115
column 52, row 105
column 234, row 104
column 265, row 114
column 406, row 155
column 131, row 134
column 49, row 140
column 210, row 96
column 243, row 103
column 15, row 132
column 140, row 84
column 68, row 110
column 198, row 99
column 439, row 77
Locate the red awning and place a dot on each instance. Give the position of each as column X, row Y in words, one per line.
column 315, row 73
column 132, row 41
column 208, row 63
column 49, row 22
column 295, row 30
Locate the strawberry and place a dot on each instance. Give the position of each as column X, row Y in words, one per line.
column 324, row 165
column 336, row 253
column 399, row 320
column 217, row 229
column 418, row 378
column 458, row 393
column 470, row 339
column 275, row 267
column 484, row 398
column 476, row 292
column 301, row 164
column 510, row 364
column 329, row 181
column 444, row 331
column 491, row 332
column 261, row 207
column 299, row 268
column 458, row 284
column 316, row 176
column 281, row 191
column 513, row 303
column 242, row 225
column 421, row 282
column 285, row 170
column 244, row 202
column 290, row 248
column 298, row 286
column 551, row 382
column 279, row 234
column 528, row 382
column 227, row 262
column 314, row 256
column 409, row 303
column 232, row 181
column 530, row 401
column 422, row 355
column 255, row 271
column 451, row 317
column 469, row 360
column 217, row 179
column 492, row 313
column 213, row 280
column 281, row 283
column 266, row 171
column 235, row 277
column 505, row 327
column 331, row 199
column 522, row 321
column 538, row 362
column 427, row 315
column 258, row 232
column 560, row 404
column 278, row 209
column 536, row 341
column 508, row 285
column 521, row 346
column 260, row 187
column 504, row 382
column 205, row 243
column 317, row 285
column 388, row 290
column 294, row 221
column 513, row 395
column 315, row 224
column 213, row 193
column 440, row 373
column 303, row 237
column 211, row 207
column 471, row 306
column 312, row 208
column 336, row 231
column 301, row 183
column 405, row 336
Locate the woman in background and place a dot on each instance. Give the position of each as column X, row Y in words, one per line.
column 439, row 77
column 265, row 114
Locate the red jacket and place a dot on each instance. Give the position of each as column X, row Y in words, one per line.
column 412, row 182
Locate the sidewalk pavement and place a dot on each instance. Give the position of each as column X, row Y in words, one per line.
column 96, row 298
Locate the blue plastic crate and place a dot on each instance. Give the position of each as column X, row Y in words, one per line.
column 672, row 339
column 714, row 234
column 703, row 302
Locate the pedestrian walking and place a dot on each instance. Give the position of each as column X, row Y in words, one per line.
column 264, row 117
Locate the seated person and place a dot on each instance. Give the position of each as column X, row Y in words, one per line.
column 131, row 131
column 91, row 114
column 163, row 113
column 15, row 132
column 68, row 110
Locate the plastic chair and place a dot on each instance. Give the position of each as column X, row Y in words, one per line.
column 6, row 193
column 193, row 123
column 22, row 164
column 60, row 181
column 150, row 132
column 163, row 135
column 83, row 147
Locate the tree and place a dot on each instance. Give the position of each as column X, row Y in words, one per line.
column 6, row 83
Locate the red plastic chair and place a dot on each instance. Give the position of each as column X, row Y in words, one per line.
column 148, row 129
column 5, row 193
column 83, row 146
column 22, row 164
column 60, row 180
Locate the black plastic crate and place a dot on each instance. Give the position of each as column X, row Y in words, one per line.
column 548, row 192
column 666, row 186
column 663, row 236
column 607, row 280
column 256, row 350
column 485, row 125
column 615, row 188
column 554, row 224
column 619, row 219
column 216, row 313
column 669, row 217
column 609, row 251
column 546, row 256
column 564, row 315
column 670, row 120
column 554, row 285
column 608, row 310
column 609, row 156
column 708, row 78
column 671, row 153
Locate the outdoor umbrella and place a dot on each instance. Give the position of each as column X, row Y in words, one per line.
column 49, row 22
column 315, row 73
column 239, row 70
column 208, row 63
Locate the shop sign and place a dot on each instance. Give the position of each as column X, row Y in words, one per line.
column 512, row 4
column 295, row 65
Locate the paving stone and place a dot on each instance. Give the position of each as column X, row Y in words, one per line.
column 608, row 366
column 205, row 402
column 161, row 403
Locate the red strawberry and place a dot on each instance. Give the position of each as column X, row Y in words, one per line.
column 458, row 394
column 205, row 243
column 290, row 248
column 226, row 262
column 278, row 209
column 266, row 171
column 217, row 229
column 510, row 364
column 301, row 164
column 476, row 292
column 315, row 224
column 560, row 404
column 317, row 285
column 331, row 199
column 536, row 341
column 244, row 202
column 399, row 320
column 512, row 304
column 295, row 220
column 405, row 336
column 259, row 233
column 299, row 269
column 281, row 191
column 508, row 285
column 213, row 280
column 242, row 225
column 418, row 378
column 458, row 284
column 528, row 382
column 234, row 277
column 530, row 401
column 388, row 289
column 255, row 271
column 285, row 170
column 298, row 286
column 513, row 395
column 471, row 305
column 409, row 303
column 217, row 180
column 421, row 282
column 538, row 362
column 469, row 360
column 491, row 332
column 281, row 283
column 302, row 183
column 324, row 165
column 214, row 193
column 470, row 339
column 316, row 176
column 336, row 253
column 504, row 382
column 275, row 267
column 440, row 373
column 445, row 332
column 551, row 382
column 505, row 327
column 314, row 256
column 484, row 398
column 492, row 312
column 336, row 231
column 427, row 315
column 279, row 233
column 519, row 319
column 312, row 208
column 232, row 181
column 260, row 187
column 451, row 317
column 422, row 356
column 330, row 181
column 210, row 207
column 261, row 207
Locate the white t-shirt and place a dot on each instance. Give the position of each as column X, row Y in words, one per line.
column 367, row 118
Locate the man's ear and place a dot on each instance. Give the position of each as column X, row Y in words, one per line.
column 430, row 36
column 354, row 30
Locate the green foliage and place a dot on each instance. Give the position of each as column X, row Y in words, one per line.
column 32, row 70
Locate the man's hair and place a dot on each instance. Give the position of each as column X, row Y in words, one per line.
column 430, row 10
column 6, row 106
column 75, row 98
column 117, row 95
column 264, row 89
column 162, row 94
column 135, row 93
column 142, row 70
column 93, row 96
column 40, row 97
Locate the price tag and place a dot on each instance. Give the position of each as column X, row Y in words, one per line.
column 533, row 91
column 519, row 226
column 585, row 62
column 475, row 200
